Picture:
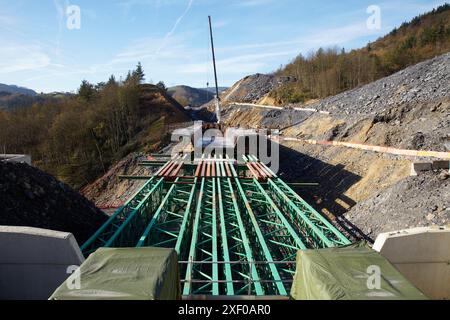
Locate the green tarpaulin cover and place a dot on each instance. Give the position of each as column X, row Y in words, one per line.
column 125, row 274
column 349, row 273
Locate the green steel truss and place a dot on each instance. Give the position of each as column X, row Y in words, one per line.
column 126, row 222
column 283, row 241
column 203, row 253
column 318, row 231
column 268, row 271
column 170, row 224
column 313, row 226
column 234, row 235
column 242, row 278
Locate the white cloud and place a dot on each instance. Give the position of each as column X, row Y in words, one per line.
column 128, row 5
column 323, row 38
column 252, row 3
column 249, row 63
column 341, row 35
column 6, row 20
column 174, row 28
column 220, row 24
column 22, row 58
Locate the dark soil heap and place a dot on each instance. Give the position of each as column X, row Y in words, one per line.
column 32, row 198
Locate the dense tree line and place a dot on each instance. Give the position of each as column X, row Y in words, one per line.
column 331, row 71
column 77, row 138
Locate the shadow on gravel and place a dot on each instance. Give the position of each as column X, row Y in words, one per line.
column 328, row 197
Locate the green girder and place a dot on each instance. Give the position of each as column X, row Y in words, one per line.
column 260, row 248
column 236, row 245
column 170, row 223
column 204, row 244
column 140, row 205
column 234, row 235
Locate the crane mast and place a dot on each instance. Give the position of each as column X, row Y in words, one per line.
column 217, row 100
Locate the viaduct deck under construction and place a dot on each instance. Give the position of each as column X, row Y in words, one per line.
column 236, row 226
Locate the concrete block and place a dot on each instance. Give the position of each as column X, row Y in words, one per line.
column 34, row 262
column 439, row 165
column 422, row 255
column 20, row 158
column 420, row 167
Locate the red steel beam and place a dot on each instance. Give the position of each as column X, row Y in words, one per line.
column 203, row 174
column 163, row 172
column 208, row 170
column 227, row 169
column 177, row 170
column 169, row 170
column 255, row 173
column 199, row 169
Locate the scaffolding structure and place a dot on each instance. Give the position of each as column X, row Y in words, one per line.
column 236, row 227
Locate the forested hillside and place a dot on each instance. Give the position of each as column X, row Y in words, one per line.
column 77, row 138
column 330, row 71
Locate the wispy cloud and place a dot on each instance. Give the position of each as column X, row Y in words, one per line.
column 220, row 24
column 6, row 20
column 174, row 28
column 252, row 3
column 127, row 5
column 16, row 58
column 150, row 48
column 175, row 47
column 322, row 38
column 248, row 63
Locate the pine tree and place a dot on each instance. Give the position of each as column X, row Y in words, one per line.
column 86, row 91
column 139, row 74
column 161, row 85
column 112, row 80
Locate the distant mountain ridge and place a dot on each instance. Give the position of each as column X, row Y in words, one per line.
column 12, row 101
column 188, row 96
column 16, row 89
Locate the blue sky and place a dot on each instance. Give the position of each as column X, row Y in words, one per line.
column 170, row 37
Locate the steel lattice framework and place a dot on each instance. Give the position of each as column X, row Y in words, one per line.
column 237, row 228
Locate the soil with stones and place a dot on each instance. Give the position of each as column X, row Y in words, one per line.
column 32, row 198
column 404, row 206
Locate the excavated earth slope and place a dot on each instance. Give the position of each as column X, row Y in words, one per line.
column 403, row 206
column 410, row 110
column 109, row 192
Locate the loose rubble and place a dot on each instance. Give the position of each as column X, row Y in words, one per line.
column 404, row 205
column 407, row 110
column 425, row 82
column 32, row 198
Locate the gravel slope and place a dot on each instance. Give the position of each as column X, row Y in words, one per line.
column 404, row 205
column 32, row 198
column 365, row 190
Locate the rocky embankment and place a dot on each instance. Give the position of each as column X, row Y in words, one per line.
column 32, row 198
column 425, row 82
column 408, row 110
column 404, row 205
column 251, row 89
